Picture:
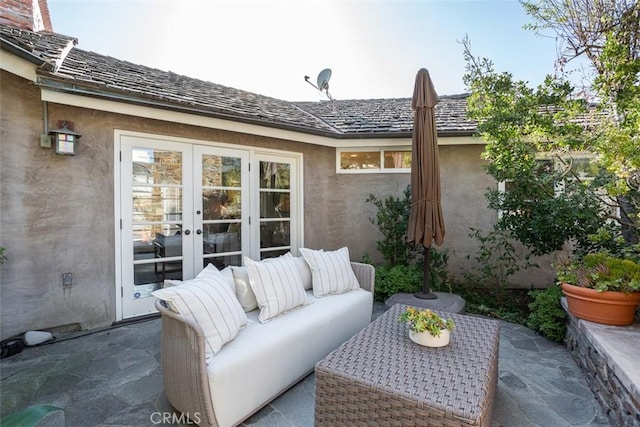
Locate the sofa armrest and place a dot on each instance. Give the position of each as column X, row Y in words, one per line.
column 184, row 365
column 366, row 275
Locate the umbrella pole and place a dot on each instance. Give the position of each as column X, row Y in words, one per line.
column 426, row 277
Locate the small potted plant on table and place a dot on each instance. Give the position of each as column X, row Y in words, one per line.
column 601, row 288
column 426, row 327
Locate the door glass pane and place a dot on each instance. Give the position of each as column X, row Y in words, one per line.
column 273, row 254
column 151, row 276
column 275, row 175
column 156, row 166
column 275, row 234
column 274, row 204
column 222, row 262
column 219, row 171
column 221, row 204
column 157, row 204
column 216, row 242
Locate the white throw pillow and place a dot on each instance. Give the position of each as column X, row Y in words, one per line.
column 243, row 289
column 303, row 270
column 276, row 285
column 331, row 271
column 209, row 271
column 210, row 303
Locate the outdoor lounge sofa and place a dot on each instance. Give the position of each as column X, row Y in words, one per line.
column 265, row 358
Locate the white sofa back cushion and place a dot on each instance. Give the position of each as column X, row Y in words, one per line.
column 211, row 270
column 331, row 271
column 210, row 303
column 243, row 289
column 276, row 285
column 303, row 271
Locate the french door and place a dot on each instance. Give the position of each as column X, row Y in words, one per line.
column 183, row 206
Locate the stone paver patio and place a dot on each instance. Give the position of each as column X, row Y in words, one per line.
column 113, row 378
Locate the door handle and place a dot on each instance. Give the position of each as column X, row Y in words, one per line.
column 198, row 231
column 187, row 232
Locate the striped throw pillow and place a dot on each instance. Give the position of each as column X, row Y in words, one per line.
column 331, row 271
column 276, row 285
column 212, row 305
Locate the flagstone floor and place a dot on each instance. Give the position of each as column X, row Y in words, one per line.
column 113, row 377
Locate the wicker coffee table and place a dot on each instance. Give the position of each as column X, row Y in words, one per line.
column 380, row 377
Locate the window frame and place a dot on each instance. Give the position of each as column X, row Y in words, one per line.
column 559, row 187
column 380, row 150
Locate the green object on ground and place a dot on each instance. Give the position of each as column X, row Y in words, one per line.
column 28, row 417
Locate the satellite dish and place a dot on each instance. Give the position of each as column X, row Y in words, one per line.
column 323, row 81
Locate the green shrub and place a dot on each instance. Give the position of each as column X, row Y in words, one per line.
column 440, row 277
column 547, row 315
column 392, row 219
column 398, row 278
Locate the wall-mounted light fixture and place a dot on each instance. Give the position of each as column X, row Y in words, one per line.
column 65, row 139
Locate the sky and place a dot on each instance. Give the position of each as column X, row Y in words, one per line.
column 374, row 48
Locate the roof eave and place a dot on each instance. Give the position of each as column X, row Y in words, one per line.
column 25, row 54
column 112, row 96
column 56, row 83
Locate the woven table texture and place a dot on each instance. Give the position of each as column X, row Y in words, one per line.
column 380, row 377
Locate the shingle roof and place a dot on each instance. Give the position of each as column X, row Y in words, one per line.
column 390, row 116
column 49, row 48
column 92, row 74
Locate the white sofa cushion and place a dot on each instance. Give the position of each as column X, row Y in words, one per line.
column 243, row 289
column 303, row 270
column 210, row 303
column 265, row 359
column 331, row 271
column 276, row 285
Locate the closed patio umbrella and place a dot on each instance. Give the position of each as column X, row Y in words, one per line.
column 426, row 224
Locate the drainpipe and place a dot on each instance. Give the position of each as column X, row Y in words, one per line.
column 45, row 117
column 45, row 139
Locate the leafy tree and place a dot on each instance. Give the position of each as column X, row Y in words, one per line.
column 607, row 34
column 531, row 133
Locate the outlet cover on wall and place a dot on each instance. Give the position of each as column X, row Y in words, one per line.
column 45, row 141
column 67, row 280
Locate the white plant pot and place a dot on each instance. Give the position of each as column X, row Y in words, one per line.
column 428, row 340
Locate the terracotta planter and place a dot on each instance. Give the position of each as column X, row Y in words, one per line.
column 608, row 308
column 428, row 340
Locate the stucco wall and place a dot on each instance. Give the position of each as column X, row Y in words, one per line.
column 57, row 212
column 56, row 218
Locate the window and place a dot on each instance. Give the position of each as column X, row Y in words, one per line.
column 581, row 167
column 374, row 160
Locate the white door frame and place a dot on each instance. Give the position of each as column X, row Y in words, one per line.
column 255, row 155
